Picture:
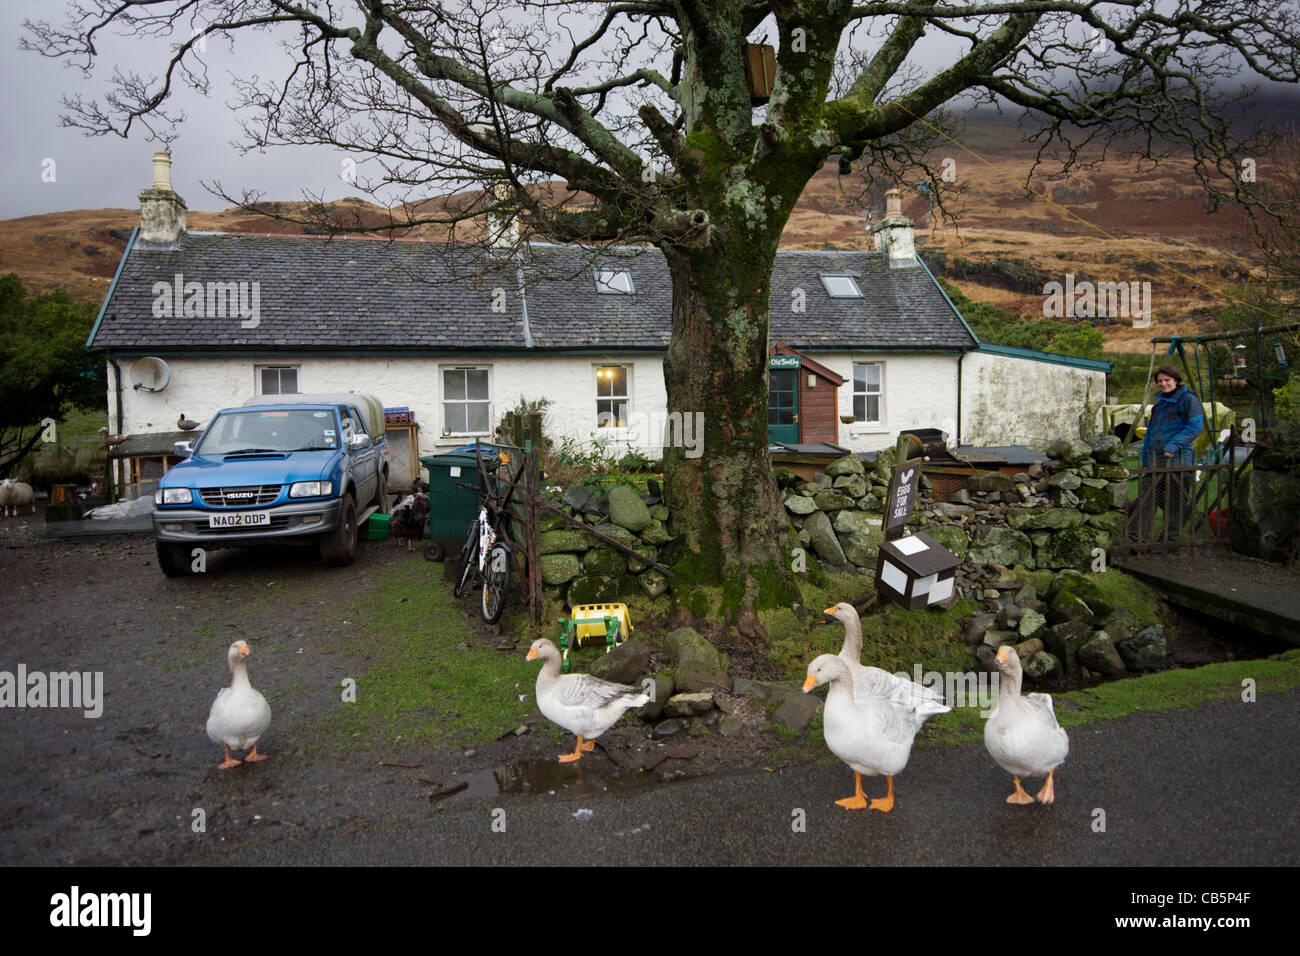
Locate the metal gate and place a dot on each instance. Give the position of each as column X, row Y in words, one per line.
column 1183, row 505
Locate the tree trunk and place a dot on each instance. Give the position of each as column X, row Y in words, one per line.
column 726, row 502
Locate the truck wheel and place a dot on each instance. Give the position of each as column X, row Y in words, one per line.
column 338, row 548
column 381, row 492
column 174, row 559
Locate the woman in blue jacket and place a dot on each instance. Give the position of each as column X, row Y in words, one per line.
column 1176, row 420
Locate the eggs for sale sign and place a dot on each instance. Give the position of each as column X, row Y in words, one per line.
column 902, row 496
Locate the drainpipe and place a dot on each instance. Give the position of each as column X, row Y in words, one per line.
column 961, row 356
column 117, row 382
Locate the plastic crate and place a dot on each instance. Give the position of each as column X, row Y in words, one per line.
column 377, row 527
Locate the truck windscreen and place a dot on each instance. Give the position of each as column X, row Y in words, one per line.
column 276, row 430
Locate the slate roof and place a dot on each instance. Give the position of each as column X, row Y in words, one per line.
column 410, row 296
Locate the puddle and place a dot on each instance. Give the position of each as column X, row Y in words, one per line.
column 546, row 776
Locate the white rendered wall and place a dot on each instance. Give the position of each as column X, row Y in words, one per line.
column 200, row 387
column 919, row 389
column 1009, row 400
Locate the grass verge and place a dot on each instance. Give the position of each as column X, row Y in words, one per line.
column 433, row 680
column 1166, row 690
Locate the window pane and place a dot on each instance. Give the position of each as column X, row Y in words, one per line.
column 873, row 408
column 476, row 385
column 604, row 413
column 288, row 381
column 477, row 416
column 841, row 287
column 860, row 408
column 270, row 382
column 455, row 413
column 620, row 380
column 859, row 378
column 613, row 280
column 873, row 378
column 453, row 383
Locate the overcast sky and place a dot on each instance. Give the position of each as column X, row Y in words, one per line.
column 108, row 171
column 91, row 173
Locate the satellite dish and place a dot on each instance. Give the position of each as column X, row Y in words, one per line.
column 150, row 375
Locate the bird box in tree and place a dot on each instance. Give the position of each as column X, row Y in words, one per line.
column 916, row 571
column 760, row 70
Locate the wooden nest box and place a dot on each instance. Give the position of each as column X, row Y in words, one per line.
column 760, row 70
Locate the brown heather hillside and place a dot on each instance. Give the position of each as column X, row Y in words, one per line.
column 1004, row 247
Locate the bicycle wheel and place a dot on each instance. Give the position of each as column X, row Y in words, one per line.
column 468, row 564
column 496, row 580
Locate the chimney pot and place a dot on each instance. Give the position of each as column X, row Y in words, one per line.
column 894, row 202
column 162, row 170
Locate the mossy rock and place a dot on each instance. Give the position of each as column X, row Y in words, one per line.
column 565, row 540
column 848, row 465
column 604, row 561
column 592, row 589
column 559, row 568
column 785, row 478
column 636, row 565
column 655, row 533
column 619, row 534
column 652, row 582
column 951, row 537
column 1004, row 546
column 627, row 510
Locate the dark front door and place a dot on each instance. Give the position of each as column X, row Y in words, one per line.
column 783, row 405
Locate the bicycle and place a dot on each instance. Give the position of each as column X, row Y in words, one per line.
column 485, row 559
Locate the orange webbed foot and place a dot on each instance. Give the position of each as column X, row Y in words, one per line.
column 1019, row 797
column 253, row 756
column 886, row 803
column 229, row 761
column 857, row 802
column 1048, row 793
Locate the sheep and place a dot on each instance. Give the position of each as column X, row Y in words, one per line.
column 15, row 494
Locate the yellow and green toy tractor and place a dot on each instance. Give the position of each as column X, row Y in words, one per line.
column 593, row 621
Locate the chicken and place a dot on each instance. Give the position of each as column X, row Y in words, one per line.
column 407, row 518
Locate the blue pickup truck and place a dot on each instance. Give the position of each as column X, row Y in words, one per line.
column 281, row 469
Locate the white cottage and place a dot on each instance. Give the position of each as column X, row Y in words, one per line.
column 458, row 335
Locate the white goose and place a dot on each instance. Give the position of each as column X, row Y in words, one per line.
column 872, row 734
column 1022, row 735
column 874, row 682
column 240, row 714
column 580, row 703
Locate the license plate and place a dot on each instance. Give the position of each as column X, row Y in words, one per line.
column 241, row 519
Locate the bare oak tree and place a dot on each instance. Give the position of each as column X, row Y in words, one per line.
column 632, row 121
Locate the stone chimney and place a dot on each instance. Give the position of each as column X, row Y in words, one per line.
column 894, row 235
column 502, row 226
column 162, row 212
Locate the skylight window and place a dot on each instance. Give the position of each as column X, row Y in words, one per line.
column 841, row 287
column 615, row 281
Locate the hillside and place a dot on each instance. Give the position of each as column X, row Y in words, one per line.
column 1005, row 245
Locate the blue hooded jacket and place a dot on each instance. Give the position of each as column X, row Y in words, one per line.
column 1175, row 422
